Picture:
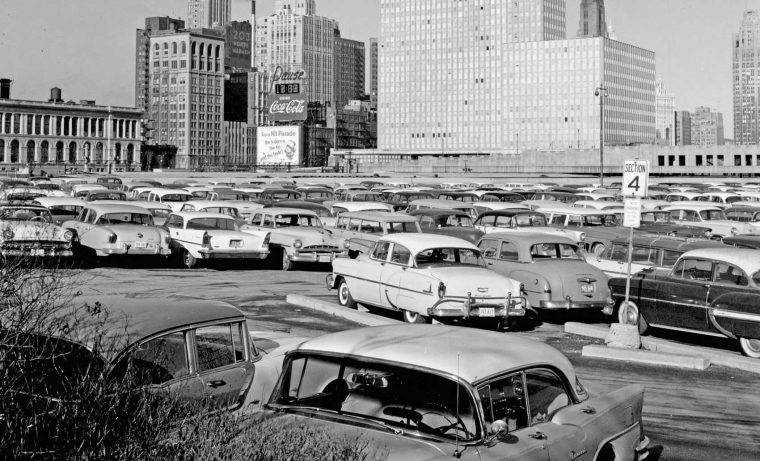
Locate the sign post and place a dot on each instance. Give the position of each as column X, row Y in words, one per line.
column 635, row 187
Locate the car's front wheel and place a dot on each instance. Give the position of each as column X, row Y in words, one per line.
column 287, row 263
column 414, row 317
column 188, row 260
column 628, row 314
column 750, row 347
column 344, row 295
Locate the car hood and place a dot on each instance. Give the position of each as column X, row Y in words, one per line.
column 32, row 230
column 478, row 281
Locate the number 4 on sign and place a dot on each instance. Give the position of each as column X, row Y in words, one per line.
column 635, row 184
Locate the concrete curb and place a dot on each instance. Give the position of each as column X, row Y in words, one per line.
column 646, row 357
column 716, row 357
column 356, row 316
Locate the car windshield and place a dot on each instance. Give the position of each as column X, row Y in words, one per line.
column 656, row 217
column 401, row 227
column 48, row 186
column 212, row 224
column 24, row 214
column 142, row 219
column 296, row 220
column 530, row 220
column 107, row 196
column 543, row 251
column 160, row 212
column 176, row 198
column 712, row 215
column 406, row 399
column 448, row 256
column 742, row 216
column 368, row 197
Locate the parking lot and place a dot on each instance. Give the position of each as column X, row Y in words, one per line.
column 710, row 414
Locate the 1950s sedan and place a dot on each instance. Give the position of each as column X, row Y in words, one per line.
column 428, row 276
column 552, row 269
column 28, row 231
column 103, row 230
column 713, row 291
column 428, row 392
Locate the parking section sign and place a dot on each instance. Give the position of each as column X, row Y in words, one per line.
column 278, row 145
column 635, row 178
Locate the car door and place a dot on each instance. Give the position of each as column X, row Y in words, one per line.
column 85, row 227
column 682, row 296
column 222, row 362
column 730, row 291
column 366, row 283
column 395, row 289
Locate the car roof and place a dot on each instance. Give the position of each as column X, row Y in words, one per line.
column 380, row 216
column 438, row 212
column 131, row 320
column 746, row 259
column 420, row 242
column 574, row 210
column 468, row 353
column 211, row 203
column 52, row 201
column 201, row 214
column 106, row 207
column 696, row 206
column 529, row 238
column 285, row 210
column 509, row 212
column 442, row 203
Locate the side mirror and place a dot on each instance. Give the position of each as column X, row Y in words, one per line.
column 499, row 428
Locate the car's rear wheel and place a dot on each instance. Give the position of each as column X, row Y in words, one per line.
column 750, row 347
column 414, row 317
column 287, row 263
column 628, row 314
column 344, row 295
column 188, row 261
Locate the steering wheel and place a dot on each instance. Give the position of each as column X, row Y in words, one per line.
column 38, row 219
column 441, row 430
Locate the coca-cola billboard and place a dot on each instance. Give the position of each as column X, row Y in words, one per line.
column 287, row 108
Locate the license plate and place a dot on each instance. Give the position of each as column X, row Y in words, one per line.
column 236, row 244
column 38, row 252
column 141, row 245
column 487, row 312
column 324, row 258
column 587, row 289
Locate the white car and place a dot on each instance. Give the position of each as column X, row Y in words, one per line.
column 211, row 236
column 61, row 208
column 709, row 216
column 427, row 276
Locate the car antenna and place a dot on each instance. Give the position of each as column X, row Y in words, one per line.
column 457, row 453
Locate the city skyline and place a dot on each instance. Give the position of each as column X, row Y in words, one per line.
column 674, row 29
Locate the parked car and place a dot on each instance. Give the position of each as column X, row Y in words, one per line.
column 103, row 195
column 448, row 222
column 210, row 236
column 211, row 206
column 751, row 241
column 552, row 269
column 102, row 230
column 175, row 198
column 21, row 194
column 400, row 200
column 362, row 230
column 111, row 182
column 61, row 208
column 315, row 194
column 296, row 236
column 429, row 277
column 437, row 392
column 82, row 190
column 441, row 204
column 370, row 207
column 748, row 214
column 28, row 231
column 661, row 222
column 273, row 195
column 712, row 292
column 523, row 220
column 599, row 227
column 709, row 216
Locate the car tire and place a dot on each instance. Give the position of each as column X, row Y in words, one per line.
column 598, row 249
column 750, row 347
column 344, row 296
column 414, row 317
column 287, row 263
column 628, row 314
column 188, row 261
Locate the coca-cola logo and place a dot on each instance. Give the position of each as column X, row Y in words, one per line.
column 295, row 106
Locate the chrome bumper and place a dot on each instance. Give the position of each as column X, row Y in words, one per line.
column 470, row 307
column 221, row 254
column 314, row 257
column 37, row 254
column 570, row 304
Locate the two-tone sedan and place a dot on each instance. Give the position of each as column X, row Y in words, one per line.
column 552, row 269
column 103, row 229
column 28, row 231
column 428, row 392
column 713, row 292
column 199, row 236
column 427, row 277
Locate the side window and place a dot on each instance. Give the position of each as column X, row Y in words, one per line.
column 508, row 252
column 371, row 227
column 256, row 220
column 670, row 257
column 727, row 274
column 489, row 248
column 400, row 255
column 427, row 223
column 91, row 215
column 188, row 208
column 174, row 222
column 380, row 252
column 641, row 255
column 486, row 220
column 689, row 215
column 218, row 346
column 695, row 269
column 157, row 361
column 619, row 253
column 268, row 221
column 504, row 400
column 354, row 225
column 559, row 219
column 504, row 221
column 546, row 395
column 342, row 223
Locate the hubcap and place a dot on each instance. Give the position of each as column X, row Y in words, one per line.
column 343, row 293
column 753, row 344
column 411, row 317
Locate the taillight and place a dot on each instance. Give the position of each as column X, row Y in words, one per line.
column 112, row 238
column 206, row 240
column 267, row 239
column 441, row 290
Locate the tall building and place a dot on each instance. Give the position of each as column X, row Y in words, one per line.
column 237, row 46
column 350, row 73
column 501, row 77
column 294, row 38
column 683, row 128
column 665, row 124
column 142, row 55
column 593, row 22
column 208, row 14
column 746, row 82
column 707, row 127
column 187, row 95
column 373, row 50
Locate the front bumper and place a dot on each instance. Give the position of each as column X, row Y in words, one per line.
column 316, row 257
column 36, row 253
column 568, row 304
column 226, row 254
column 484, row 308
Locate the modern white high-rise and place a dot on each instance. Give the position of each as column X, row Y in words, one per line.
column 208, row 13
column 746, row 80
column 666, row 108
column 295, row 38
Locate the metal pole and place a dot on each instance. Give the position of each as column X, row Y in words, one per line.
column 601, row 137
column 628, row 277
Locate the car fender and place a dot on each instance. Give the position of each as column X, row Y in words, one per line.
column 95, row 238
column 736, row 315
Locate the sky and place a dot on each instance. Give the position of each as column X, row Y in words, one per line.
column 87, row 47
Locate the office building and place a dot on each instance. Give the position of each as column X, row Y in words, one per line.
column 665, row 123
column 746, row 69
column 683, row 128
column 208, row 14
column 296, row 39
column 593, row 21
column 142, row 56
column 350, row 78
column 237, row 46
column 707, row 127
column 187, row 95
column 372, row 91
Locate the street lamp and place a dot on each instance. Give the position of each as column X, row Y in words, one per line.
column 601, row 92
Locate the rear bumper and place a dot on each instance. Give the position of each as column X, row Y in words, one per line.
column 222, row 254
column 471, row 307
column 127, row 250
column 316, row 257
column 570, row 304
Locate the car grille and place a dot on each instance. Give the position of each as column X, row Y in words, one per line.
column 320, row 249
column 35, row 244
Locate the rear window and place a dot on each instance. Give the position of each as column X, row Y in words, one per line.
column 176, row 198
column 554, row 251
column 400, row 227
column 212, row 224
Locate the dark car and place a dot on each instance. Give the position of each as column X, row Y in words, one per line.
column 750, row 241
column 111, row 182
column 744, row 213
column 448, row 222
column 496, row 196
column 401, row 200
column 276, row 195
column 714, row 291
column 661, row 222
column 102, row 195
column 509, row 219
column 316, row 194
column 321, row 210
column 459, row 196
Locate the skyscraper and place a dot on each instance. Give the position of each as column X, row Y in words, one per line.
column 142, row 56
column 349, row 70
column 683, row 128
column 208, row 14
column 666, row 107
column 593, row 22
column 373, row 70
column 746, row 83
column 707, row 127
column 294, row 38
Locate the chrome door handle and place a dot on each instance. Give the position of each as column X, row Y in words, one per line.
column 538, row 436
column 216, row 383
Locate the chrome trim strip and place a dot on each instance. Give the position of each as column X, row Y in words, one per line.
column 687, row 330
column 736, row 315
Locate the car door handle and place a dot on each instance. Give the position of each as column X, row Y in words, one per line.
column 589, row 410
column 538, row 436
column 216, row 383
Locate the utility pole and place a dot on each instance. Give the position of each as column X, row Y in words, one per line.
column 601, row 92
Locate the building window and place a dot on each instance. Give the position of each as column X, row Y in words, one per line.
column 737, row 160
column 671, row 160
column 710, row 160
column 681, row 160
column 699, row 160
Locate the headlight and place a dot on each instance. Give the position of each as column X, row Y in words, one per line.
column 68, row 236
column 8, row 233
column 297, row 244
column 346, row 244
column 583, row 236
column 441, row 290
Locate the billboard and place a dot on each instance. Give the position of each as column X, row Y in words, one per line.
column 237, row 45
column 287, row 99
column 281, row 145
